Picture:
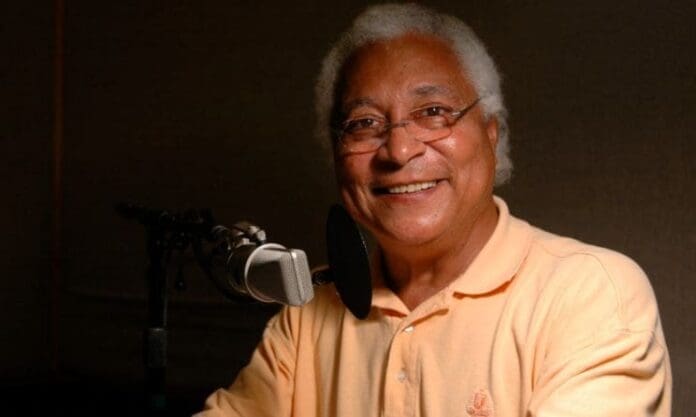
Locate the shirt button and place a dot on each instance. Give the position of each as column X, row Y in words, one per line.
column 408, row 329
column 401, row 376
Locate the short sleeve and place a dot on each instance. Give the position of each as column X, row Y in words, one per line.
column 607, row 354
column 264, row 387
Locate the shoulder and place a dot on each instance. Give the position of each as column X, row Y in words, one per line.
column 580, row 278
column 307, row 321
column 591, row 315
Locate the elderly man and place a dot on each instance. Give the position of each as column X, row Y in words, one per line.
column 474, row 312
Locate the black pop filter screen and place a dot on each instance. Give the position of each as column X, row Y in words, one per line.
column 349, row 262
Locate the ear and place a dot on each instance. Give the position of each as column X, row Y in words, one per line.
column 492, row 132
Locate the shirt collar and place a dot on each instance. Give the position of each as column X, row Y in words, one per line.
column 496, row 264
column 501, row 256
column 382, row 296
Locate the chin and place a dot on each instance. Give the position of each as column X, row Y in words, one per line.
column 409, row 233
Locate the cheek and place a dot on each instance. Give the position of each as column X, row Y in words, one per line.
column 349, row 176
column 351, row 171
column 353, row 177
column 460, row 151
column 472, row 145
column 353, row 200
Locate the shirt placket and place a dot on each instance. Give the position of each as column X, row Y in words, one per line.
column 402, row 379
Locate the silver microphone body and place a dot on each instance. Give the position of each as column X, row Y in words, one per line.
column 271, row 273
column 242, row 265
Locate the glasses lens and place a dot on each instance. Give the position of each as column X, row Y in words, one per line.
column 433, row 122
column 369, row 141
column 355, row 143
column 428, row 130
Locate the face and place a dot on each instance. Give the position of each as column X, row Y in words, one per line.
column 408, row 192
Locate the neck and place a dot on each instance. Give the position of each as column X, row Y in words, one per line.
column 417, row 273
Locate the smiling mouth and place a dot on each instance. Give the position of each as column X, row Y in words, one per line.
column 407, row 188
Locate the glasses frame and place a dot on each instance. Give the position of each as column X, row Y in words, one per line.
column 452, row 118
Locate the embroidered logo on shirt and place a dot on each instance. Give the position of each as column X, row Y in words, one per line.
column 480, row 405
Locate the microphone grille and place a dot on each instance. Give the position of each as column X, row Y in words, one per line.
column 277, row 274
column 297, row 277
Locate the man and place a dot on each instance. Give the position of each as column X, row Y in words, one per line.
column 474, row 312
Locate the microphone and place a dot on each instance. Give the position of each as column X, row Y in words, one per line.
column 271, row 273
column 243, row 263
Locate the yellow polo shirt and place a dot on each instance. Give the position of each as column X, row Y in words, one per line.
column 538, row 325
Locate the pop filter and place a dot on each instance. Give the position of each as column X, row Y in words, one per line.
column 348, row 262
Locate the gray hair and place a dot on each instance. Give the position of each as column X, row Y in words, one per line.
column 387, row 21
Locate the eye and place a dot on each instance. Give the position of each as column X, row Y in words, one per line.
column 432, row 111
column 357, row 125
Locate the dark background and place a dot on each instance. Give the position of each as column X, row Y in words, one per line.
column 184, row 104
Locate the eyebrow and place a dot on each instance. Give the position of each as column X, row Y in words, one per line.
column 432, row 90
column 421, row 91
column 358, row 102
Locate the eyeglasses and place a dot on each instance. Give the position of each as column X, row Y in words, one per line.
column 367, row 134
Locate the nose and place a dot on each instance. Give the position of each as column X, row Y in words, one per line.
column 401, row 145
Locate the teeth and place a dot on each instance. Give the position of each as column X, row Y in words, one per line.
column 411, row 188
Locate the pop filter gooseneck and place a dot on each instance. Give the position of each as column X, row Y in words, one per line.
column 348, row 262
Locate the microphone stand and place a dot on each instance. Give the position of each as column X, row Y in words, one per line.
column 165, row 233
column 155, row 334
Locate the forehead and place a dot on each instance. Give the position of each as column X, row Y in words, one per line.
column 412, row 65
